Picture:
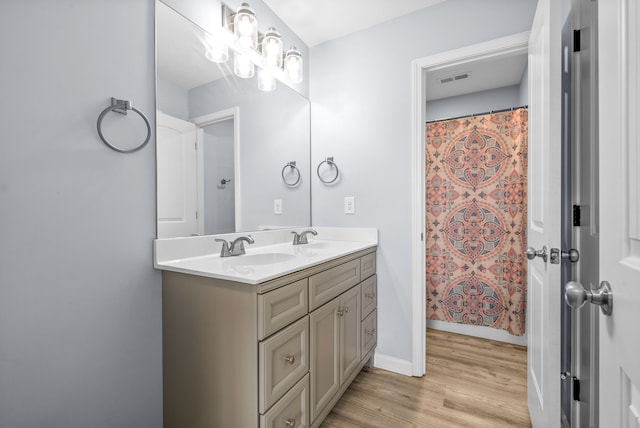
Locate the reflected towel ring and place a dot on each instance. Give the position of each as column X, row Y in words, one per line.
column 293, row 166
column 121, row 106
column 329, row 161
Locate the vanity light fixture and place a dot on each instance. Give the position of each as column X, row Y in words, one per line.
column 252, row 49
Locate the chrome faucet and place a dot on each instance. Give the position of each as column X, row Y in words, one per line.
column 301, row 238
column 236, row 248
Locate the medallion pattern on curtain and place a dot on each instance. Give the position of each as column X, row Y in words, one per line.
column 476, row 220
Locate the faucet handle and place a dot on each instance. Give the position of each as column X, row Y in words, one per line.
column 237, row 246
column 296, row 238
column 224, row 252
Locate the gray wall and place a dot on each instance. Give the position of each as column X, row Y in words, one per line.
column 171, row 98
column 361, row 104
column 274, row 130
column 219, row 203
column 80, row 303
column 475, row 103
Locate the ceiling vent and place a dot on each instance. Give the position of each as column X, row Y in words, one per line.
column 455, row 78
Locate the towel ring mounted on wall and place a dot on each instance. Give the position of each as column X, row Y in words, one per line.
column 329, row 161
column 293, row 166
column 121, row 106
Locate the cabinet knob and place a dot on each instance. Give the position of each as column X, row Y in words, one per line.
column 290, row 422
column 342, row 311
column 290, row 359
column 369, row 295
column 370, row 332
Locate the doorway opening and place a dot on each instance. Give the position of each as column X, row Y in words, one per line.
column 455, row 61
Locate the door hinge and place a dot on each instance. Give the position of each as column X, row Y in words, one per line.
column 576, row 389
column 422, row 237
column 576, row 215
column 195, row 145
column 576, row 40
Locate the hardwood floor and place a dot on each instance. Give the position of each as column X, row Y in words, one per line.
column 470, row 382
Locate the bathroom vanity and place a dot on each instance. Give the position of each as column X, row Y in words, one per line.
column 271, row 340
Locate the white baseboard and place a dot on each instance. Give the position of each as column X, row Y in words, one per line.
column 477, row 331
column 392, row 364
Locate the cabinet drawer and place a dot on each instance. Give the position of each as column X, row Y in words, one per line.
column 292, row 411
column 280, row 307
column 367, row 265
column 369, row 333
column 326, row 285
column 369, row 295
column 284, row 360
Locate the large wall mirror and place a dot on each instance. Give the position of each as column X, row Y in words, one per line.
column 224, row 148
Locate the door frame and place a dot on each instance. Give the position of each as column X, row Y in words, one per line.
column 209, row 119
column 515, row 44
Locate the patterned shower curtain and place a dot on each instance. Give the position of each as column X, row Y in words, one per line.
column 476, row 220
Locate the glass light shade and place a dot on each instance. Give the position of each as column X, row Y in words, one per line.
column 293, row 65
column 245, row 27
column 242, row 66
column 216, row 50
column 272, row 48
column 266, row 81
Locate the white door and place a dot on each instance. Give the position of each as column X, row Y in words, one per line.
column 177, row 177
column 544, row 287
column 619, row 62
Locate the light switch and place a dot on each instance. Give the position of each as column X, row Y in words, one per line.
column 349, row 205
column 277, row 206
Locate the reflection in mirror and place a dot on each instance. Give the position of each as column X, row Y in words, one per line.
column 222, row 143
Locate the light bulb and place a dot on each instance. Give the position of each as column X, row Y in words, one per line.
column 242, row 66
column 215, row 50
column 266, row 81
column 272, row 48
column 293, row 65
column 245, row 27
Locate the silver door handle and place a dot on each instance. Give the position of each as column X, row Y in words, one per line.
column 576, row 296
column 532, row 253
column 572, row 255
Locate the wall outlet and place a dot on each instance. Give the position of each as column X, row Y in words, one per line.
column 277, row 206
column 349, row 205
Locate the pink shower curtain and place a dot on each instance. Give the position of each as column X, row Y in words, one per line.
column 476, row 169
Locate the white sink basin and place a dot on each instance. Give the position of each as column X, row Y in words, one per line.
column 258, row 259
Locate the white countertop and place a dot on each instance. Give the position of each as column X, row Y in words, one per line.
column 271, row 256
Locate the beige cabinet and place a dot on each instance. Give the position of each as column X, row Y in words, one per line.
column 276, row 354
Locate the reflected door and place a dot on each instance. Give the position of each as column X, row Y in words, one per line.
column 177, row 177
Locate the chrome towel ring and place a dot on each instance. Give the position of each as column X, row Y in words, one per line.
column 329, row 161
column 121, row 106
column 295, row 169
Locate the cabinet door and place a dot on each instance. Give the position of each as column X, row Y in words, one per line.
column 349, row 314
column 368, row 295
column 324, row 367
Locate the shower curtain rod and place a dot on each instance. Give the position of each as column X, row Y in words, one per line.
column 478, row 114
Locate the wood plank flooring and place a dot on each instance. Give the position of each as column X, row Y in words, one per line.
column 470, row 382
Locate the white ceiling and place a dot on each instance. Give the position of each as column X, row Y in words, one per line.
column 496, row 73
column 316, row 21
column 180, row 51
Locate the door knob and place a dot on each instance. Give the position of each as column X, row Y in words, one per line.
column 572, row 255
column 576, row 296
column 532, row 253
